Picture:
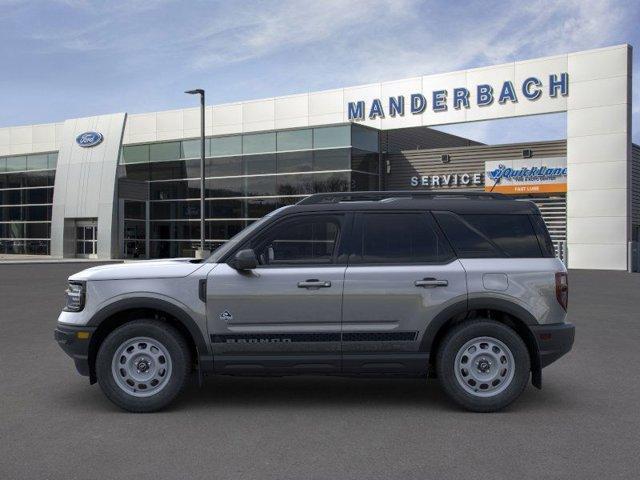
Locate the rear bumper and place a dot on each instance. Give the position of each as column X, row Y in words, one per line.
column 554, row 341
column 74, row 345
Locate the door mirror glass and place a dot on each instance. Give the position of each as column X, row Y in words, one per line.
column 245, row 260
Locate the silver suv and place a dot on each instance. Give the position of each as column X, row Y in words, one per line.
column 462, row 287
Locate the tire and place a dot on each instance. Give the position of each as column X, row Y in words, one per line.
column 483, row 365
column 143, row 365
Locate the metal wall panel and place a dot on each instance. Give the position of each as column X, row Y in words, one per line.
column 412, row 163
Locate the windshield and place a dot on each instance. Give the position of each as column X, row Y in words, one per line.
column 240, row 237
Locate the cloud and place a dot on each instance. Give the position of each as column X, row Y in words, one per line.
column 267, row 47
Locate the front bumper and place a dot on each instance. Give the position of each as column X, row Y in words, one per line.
column 554, row 341
column 75, row 343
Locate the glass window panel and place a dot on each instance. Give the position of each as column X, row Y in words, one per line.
column 259, row 143
column 161, row 152
column 38, row 179
column 15, row 180
column 364, row 161
column 328, row 137
column 192, row 168
column 224, row 209
column 160, row 210
column 139, row 171
column 175, row 210
column 16, row 247
column 160, row 249
column 134, row 230
column 331, row 182
column 295, row 162
column 191, row 148
column 295, row 184
column 224, row 230
column 295, row 140
column 225, row 187
column 16, row 164
column 134, row 209
column 174, row 190
column 261, row 186
column 175, row 230
column 15, row 230
column 399, row 238
column 260, row 164
column 224, row 146
column 38, row 230
column 37, row 247
column 38, row 195
column 13, row 197
column 3, row 165
column 259, row 207
column 135, row 154
column 134, row 249
column 178, row 169
column 52, row 160
column 223, row 166
column 364, row 182
column 37, row 162
column 364, row 138
column 332, row 159
column 37, row 213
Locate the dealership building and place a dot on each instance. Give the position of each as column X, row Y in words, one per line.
column 127, row 185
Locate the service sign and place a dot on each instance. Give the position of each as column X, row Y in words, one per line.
column 518, row 177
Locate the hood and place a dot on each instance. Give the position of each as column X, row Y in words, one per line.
column 174, row 268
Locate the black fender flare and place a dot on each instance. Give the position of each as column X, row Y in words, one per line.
column 464, row 306
column 186, row 320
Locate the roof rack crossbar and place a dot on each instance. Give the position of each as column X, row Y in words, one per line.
column 377, row 196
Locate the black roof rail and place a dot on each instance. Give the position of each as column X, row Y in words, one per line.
column 336, row 197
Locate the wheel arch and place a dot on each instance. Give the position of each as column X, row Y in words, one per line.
column 123, row 311
column 504, row 311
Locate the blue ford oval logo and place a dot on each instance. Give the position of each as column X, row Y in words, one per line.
column 89, row 139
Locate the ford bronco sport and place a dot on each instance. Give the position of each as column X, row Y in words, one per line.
column 462, row 287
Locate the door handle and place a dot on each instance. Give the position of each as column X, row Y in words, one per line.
column 431, row 283
column 314, row 283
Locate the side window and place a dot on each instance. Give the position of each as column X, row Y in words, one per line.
column 544, row 239
column 398, row 238
column 486, row 235
column 513, row 234
column 466, row 240
column 309, row 239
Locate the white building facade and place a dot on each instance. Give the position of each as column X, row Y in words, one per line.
column 66, row 195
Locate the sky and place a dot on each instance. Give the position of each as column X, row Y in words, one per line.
column 74, row 58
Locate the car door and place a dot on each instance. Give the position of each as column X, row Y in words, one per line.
column 401, row 274
column 284, row 315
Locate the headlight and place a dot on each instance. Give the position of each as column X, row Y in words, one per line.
column 75, row 297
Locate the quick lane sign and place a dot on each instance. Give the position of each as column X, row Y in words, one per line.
column 544, row 175
column 482, row 95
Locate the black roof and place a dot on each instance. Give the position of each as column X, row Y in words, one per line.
column 457, row 202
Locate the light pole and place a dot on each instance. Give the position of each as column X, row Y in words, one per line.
column 201, row 252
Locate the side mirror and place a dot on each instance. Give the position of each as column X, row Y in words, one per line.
column 245, row 260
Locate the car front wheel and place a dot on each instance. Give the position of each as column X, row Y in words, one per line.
column 143, row 365
column 483, row 365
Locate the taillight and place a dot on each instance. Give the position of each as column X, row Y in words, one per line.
column 562, row 289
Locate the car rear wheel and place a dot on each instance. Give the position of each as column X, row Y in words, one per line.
column 483, row 365
column 143, row 365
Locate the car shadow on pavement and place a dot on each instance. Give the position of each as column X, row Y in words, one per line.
column 222, row 392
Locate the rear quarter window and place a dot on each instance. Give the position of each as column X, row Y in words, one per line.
column 491, row 235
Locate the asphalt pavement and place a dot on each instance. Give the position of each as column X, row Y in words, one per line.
column 583, row 424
